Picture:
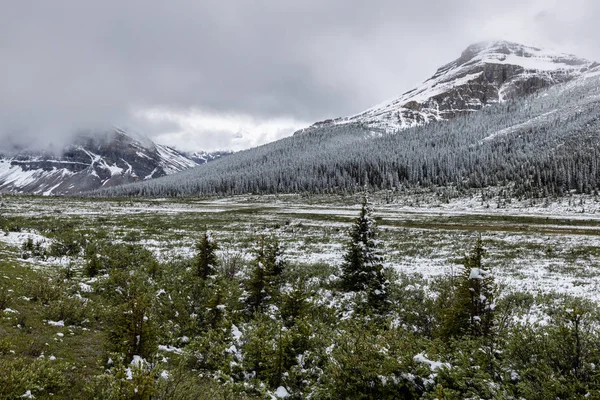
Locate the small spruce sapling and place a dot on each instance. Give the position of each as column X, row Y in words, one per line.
column 206, row 260
column 265, row 277
column 362, row 269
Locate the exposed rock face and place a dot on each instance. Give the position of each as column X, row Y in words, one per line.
column 485, row 73
column 92, row 162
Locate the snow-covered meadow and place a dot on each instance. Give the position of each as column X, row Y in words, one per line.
column 543, row 246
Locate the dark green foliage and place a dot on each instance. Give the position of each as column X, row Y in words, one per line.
column 265, row 276
column 123, row 256
column 71, row 310
column 40, row 377
column 362, row 269
column 471, row 309
column 294, row 303
column 93, row 263
column 67, row 242
column 556, row 361
column 45, row 290
column 131, row 329
column 6, row 297
column 206, row 261
column 270, row 325
column 368, row 363
column 209, row 352
column 32, row 249
column 115, row 384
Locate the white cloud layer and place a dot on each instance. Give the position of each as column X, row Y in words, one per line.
column 256, row 70
column 195, row 129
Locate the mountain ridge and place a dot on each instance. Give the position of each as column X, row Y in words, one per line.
column 485, row 73
column 93, row 161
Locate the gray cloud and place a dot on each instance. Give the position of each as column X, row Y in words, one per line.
column 69, row 65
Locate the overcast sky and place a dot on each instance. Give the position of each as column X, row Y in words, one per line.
column 208, row 75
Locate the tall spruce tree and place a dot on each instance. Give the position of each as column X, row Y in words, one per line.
column 472, row 310
column 362, row 269
column 206, row 259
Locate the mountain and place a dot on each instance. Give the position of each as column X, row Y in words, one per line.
column 484, row 74
column 501, row 115
column 202, row 157
column 91, row 162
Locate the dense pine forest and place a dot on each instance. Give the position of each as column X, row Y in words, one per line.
column 220, row 327
column 545, row 144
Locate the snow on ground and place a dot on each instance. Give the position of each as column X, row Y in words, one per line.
column 546, row 246
column 18, row 238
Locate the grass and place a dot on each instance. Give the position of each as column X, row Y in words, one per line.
column 26, row 333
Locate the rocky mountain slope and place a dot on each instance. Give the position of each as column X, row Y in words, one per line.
column 485, row 73
column 92, row 162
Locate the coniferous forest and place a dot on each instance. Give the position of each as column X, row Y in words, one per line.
column 224, row 328
column 542, row 145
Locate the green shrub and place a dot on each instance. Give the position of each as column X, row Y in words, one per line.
column 72, row 311
column 38, row 377
column 6, row 297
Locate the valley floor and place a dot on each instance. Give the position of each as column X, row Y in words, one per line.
column 64, row 325
column 543, row 246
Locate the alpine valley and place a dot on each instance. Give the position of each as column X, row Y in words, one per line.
column 442, row 245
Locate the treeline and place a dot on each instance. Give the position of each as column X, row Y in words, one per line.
column 543, row 145
column 217, row 328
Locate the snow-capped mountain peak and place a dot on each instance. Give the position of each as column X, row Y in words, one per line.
column 485, row 73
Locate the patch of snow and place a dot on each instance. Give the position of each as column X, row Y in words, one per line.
column 433, row 365
column 85, row 287
column 281, row 393
column 170, row 349
column 236, row 333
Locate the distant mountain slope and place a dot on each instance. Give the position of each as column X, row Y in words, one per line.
column 92, row 162
column 202, row 157
column 542, row 143
column 485, row 73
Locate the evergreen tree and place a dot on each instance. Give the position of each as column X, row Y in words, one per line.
column 206, row 260
column 294, row 303
column 131, row 328
column 362, row 269
column 472, row 309
column 265, row 277
column 93, row 263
